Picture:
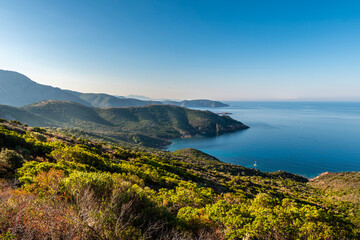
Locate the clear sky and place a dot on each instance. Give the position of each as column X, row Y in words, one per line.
column 225, row 50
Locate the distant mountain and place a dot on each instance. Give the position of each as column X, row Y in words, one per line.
column 152, row 99
column 139, row 97
column 149, row 125
column 18, row 90
column 118, row 96
column 185, row 103
column 102, row 100
column 197, row 103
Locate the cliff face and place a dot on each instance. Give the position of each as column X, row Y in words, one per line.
column 208, row 123
column 218, row 128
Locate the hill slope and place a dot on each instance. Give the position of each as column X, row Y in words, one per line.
column 22, row 115
column 18, row 90
column 149, row 125
column 71, row 189
column 105, row 100
column 170, row 121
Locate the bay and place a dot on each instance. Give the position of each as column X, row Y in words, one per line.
column 306, row 138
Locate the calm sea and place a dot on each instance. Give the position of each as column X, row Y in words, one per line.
column 305, row 138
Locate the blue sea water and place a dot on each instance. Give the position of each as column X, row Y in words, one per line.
column 305, row 138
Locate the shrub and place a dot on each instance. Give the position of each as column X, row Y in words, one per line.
column 100, row 183
column 8, row 236
column 47, row 183
column 24, row 216
column 80, row 155
column 15, row 122
column 28, row 172
column 11, row 158
column 38, row 129
column 37, row 136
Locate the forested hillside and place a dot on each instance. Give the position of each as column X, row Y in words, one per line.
column 56, row 187
column 152, row 125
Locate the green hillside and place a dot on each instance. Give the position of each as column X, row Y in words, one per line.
column 101, row 100
column 22, row 115
column 57, row 187
column 169, row 121
column 341, row 189
column 196, row 154
column 66, row 113
column 151, row 125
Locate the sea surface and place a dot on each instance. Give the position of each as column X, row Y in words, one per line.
column 306, row 138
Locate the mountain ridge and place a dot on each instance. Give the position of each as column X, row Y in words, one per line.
column 18, row 90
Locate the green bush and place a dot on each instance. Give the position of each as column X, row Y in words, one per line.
column 99, row 183
column 15, row 122
column 30, row 170
column 11, row 158
column 37, row 136
column 80, row 155
column 38, row 129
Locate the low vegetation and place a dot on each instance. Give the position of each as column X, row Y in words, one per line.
column 58, row 187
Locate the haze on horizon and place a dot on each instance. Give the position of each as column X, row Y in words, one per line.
column 222, row 50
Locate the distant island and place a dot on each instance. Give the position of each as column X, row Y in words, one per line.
column 224, row 113
column 18, row 90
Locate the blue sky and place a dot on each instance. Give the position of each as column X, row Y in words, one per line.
column 225, row 50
